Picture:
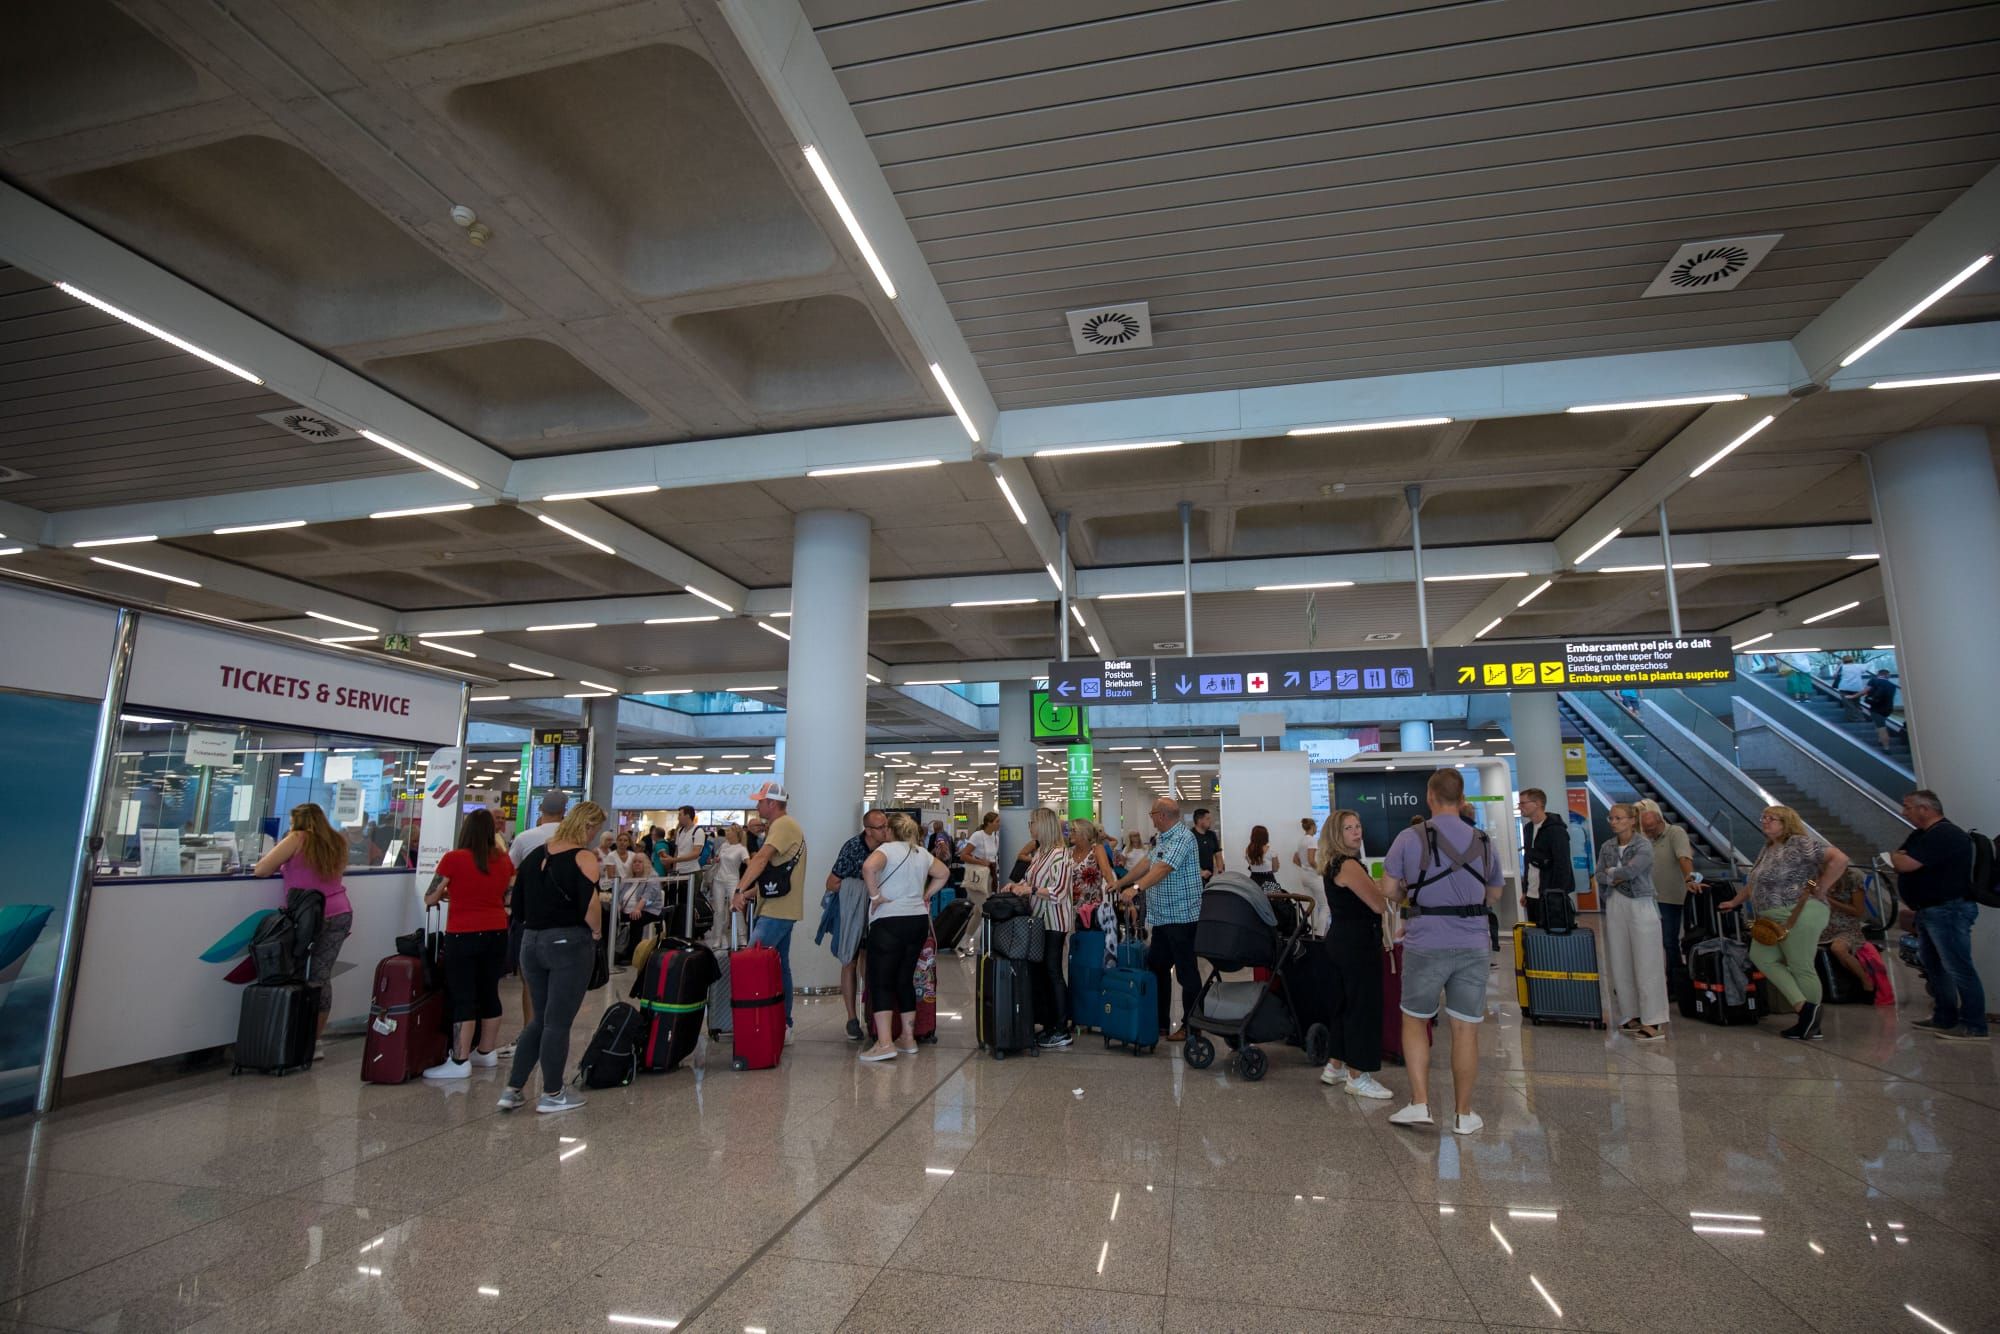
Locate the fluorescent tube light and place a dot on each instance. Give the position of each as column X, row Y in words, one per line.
column 1347, row 427
column 158, row 332
column 532, row 671
column 1940, row 294
column 489, row 699
column 710, row 598
column 872, row 677
column 1540, row 589
column 563, row 625
column 596, row 685
column 1063, row 450
column 1294, row 588
column 853, row 224
column 1598, row 546
column 680, row 620
column 951, row 397
column 421, row 509
column 151, row 574
column 1732, row 447
column 349, row 639
column 11, row 551
column 259, row 527
column 1489, row 627
column 682, row 690
column 417, row 458
column 851, row 469
column 1093, row 645
column 603, row 492
column 1012, row 503
column 1829, row 615
column 338, row 620
column 1076, row 614
column 772, row 629
column 1153, row 593
column 1653, row 569
column 747, row 690
column 1932, row 380
column 1689, row 401
column 1474, row 578
column 1054, row 578
column 112, row 541
column 997, row 602
column 942, row 681
column 1758, row 640
column 590, row 694
column 447, row 648
column 584, row 538
column 447, row 634
column 1866, row 555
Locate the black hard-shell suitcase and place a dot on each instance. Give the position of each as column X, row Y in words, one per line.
column 672, row 993
column 278, row 1028
column 1006, row 1006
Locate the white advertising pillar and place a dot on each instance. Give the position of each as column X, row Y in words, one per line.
column 826, row 707
column 1937, row 511
column 1017, row 751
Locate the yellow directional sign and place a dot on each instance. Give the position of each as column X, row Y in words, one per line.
column 1494, row 673
column 1552, row 673
column 1524, row 673
column 1467, row 675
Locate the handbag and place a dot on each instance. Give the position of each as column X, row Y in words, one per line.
column 775, row 880
column 1767, row 932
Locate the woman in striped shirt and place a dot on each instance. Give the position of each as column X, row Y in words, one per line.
column 1051, row 881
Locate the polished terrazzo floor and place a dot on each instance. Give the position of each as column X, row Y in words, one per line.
column 1723, row 1180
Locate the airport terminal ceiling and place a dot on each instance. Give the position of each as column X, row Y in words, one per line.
column 563, row 247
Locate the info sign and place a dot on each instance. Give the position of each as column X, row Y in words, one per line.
column 1587, row 664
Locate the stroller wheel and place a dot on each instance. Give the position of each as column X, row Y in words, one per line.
column 1198, row 1052
column 1251, row 1063
column 1319, row 1044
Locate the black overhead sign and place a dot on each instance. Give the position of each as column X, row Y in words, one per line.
column 1587, row 664
column 1101, row 681
column 1241, row 676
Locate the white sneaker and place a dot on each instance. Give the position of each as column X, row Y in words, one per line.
column 449, row 1069
column 1364, row 1085
column 484, row 1060
column 1416, row 1114
column 1333, row 1073
column 1467, row 1123
column 562, row 1101
column 319, row 1051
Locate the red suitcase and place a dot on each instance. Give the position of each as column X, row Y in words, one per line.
column 407, row 1033
column 1392, row 1005
column 756, row 1007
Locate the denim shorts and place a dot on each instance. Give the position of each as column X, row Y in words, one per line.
column 1459, row 974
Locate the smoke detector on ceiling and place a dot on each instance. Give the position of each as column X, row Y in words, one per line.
column 309, row 425
column 1110, row 328
column 1711, row 266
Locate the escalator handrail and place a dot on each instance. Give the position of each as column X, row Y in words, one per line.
column 1691, row 810
column 1828, row 763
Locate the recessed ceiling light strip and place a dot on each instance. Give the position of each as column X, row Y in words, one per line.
column 158, row 332
column 422, row 509
column 259, row 527
column 1950, row 284
column 1732, row 446
column 1688, row 402
column 603, row 493
column 414, row 457
column 1063, row 451
column 1346, row 428
column 951, row 397
column 847, row 218
column 584, row 538
column 855, row 469
column 140, row 569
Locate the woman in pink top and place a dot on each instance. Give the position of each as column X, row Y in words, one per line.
column 313, row 856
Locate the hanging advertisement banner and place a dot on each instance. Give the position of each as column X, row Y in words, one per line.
column 437, row 824
column 1081, row 804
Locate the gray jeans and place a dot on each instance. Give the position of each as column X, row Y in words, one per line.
column 555, row 963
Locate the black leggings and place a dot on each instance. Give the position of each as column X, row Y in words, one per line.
column 473, row 961
column 1051, row 987
column 893, row 944
column 1354, row 949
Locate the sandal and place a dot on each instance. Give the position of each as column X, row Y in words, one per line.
column 1629, row 1025
column 1645, row 1034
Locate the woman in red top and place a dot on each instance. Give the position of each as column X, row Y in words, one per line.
column 473, row 877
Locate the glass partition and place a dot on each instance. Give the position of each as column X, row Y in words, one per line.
column 205, row 797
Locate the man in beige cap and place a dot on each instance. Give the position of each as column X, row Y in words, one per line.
column 784, row 853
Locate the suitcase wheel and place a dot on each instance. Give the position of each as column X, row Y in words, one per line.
column 739, row 1063
column 1536, row 1022
column 999, row 1055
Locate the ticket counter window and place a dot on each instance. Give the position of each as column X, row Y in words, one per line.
column 207, row 797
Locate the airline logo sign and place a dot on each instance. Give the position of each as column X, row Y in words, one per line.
column 1587, row 664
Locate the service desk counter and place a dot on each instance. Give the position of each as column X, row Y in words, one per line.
column 165, row 961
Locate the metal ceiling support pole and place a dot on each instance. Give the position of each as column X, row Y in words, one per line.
column 1062, row 566
column 1667, row 557
column 1415, row 496
column 1187, row 577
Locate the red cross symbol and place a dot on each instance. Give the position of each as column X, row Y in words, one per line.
column 1256, row 683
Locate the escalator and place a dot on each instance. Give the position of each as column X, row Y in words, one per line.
column 1618, row 771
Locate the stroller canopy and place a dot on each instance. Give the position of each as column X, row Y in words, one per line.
column 1237, row 928
column 1242, row 886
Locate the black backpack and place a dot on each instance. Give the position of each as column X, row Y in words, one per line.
column 611, row 1061
column 281, row 949
column 1985, row 883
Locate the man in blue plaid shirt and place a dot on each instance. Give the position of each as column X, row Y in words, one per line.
column 845, row 880
column 1172, row 885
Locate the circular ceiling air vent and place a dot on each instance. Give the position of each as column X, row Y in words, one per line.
column 1114, row 329
column 308, row 425
column 1713, row 265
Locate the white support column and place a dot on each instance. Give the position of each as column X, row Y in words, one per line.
column 1937, row 507
column 1415, row 736
column 1017, row 751
column 1537, row 731
column 826, row 706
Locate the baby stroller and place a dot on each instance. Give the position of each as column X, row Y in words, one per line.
column 1243, row 927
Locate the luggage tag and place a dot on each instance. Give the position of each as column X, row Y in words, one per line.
column 383, row 1024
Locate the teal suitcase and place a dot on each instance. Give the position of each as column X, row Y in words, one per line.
column 1129, row 1009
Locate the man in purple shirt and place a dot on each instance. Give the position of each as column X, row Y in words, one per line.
column 1446, row 873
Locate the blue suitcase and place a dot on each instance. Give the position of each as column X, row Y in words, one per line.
column 1132, row 954
column 1086, row 977
column 1130, row 1009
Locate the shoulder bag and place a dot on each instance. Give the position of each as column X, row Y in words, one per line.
column 775, row 880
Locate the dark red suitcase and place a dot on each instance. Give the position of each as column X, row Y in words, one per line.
column 757, row 1007
column 672, row 994
column 407, row 1033
column 1392, row 1005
